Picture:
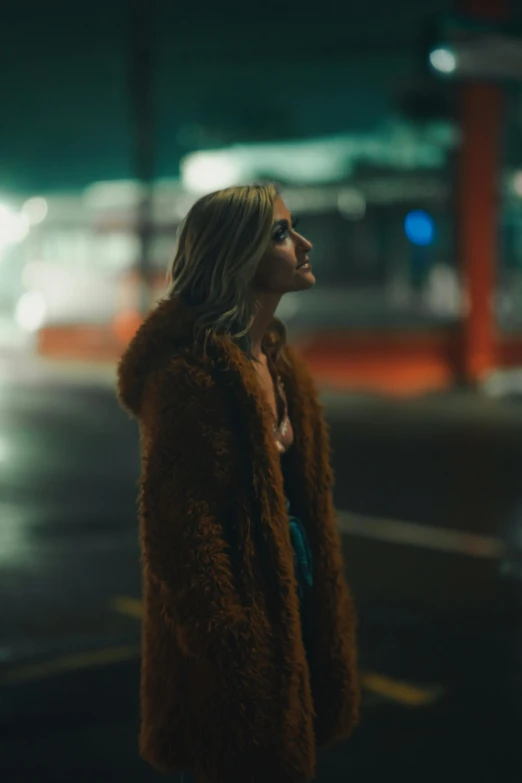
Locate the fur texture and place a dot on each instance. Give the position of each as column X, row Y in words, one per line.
column 227, row 690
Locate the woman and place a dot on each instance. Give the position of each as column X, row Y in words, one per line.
column 249, row 658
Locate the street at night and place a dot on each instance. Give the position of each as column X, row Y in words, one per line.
column 354, row 170
column 438, row 694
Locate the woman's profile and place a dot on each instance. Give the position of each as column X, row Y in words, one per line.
column 248, row 636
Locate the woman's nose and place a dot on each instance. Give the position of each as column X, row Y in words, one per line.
column 306, row 244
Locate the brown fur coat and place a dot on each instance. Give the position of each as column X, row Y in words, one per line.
column 227, row 690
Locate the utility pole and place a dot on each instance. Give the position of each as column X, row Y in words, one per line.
column 141, row 83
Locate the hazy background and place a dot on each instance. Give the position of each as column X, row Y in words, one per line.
column 395, row 132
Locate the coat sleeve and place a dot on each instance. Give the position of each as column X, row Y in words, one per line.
column 185, row 489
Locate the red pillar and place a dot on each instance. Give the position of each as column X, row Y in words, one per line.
column 479, row 170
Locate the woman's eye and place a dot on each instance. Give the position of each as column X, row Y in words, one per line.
column 281, row 235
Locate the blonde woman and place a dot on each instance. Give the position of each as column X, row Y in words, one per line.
column 249, row 651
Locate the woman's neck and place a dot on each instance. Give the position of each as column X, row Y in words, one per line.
column 267, row 305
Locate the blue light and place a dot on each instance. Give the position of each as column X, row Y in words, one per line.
column 419, row 228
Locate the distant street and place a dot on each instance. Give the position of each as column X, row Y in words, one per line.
column 436, row 692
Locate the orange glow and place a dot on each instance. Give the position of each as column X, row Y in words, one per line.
column 125, row 325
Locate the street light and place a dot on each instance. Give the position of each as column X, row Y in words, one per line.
column 443, row 60
column 472, row 48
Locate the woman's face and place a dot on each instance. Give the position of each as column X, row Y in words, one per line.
column 285, row 267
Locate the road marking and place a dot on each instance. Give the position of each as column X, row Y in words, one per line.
column 69, row 663
column 394, row 690
column 125, row 604
column 402, row 692
column 425, row 536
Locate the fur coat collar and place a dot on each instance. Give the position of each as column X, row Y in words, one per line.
column 228, row 690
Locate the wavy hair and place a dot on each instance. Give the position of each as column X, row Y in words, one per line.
column 220, row 244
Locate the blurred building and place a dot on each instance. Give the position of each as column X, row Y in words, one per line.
column 413, row 201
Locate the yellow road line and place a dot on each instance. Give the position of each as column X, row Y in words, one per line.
column 70, row 663
column 125, row 604
column 402, row 692
column 394, row 690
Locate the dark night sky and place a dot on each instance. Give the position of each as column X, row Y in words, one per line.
column 280, row 73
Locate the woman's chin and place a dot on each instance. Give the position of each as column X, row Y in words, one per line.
column 304, row 279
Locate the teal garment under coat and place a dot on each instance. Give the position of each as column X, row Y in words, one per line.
column 302, row 554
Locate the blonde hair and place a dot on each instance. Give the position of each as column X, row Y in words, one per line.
column 220, row 244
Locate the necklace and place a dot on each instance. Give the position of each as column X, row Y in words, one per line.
column 281, row 429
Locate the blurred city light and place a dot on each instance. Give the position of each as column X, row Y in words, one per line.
column 351, row 204
column 476, row 47
column 113, row 194
column 501, row 383
column 14, row 226
column 443, row 60
column 318, row 161
column 36, row 210
column 204, row 172
column 30, row 311
column 517, row 183
column 419, row 228
column 443, row 291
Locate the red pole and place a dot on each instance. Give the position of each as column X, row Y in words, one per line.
column 481, row 122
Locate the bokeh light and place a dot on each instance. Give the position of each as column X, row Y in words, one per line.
column 419, row 227
column 36, row 210
column 14, row 226
column 204, row 172
column 30, row 311
column 517, row 183
column 443, row 60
